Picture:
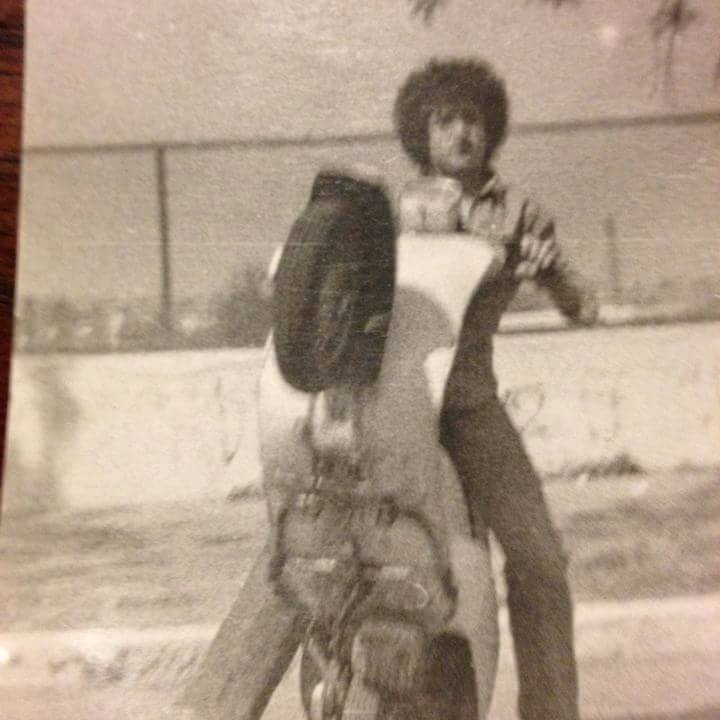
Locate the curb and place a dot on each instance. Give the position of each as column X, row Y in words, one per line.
column 611, row 315
column 166, row 657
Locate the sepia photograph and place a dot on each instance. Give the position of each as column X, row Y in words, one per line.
column 366, row 362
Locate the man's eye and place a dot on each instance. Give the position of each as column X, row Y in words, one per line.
column 446, row 118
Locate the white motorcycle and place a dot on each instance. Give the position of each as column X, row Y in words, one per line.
column 371, row 536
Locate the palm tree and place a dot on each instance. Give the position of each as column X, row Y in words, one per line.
column 667, row 20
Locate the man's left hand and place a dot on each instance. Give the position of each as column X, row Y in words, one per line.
column 537, row 255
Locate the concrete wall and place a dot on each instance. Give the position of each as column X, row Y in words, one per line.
column 587, row 396
column 115, row 429
column 101, row 430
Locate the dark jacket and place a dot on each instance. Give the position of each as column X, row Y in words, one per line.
column 499, row 214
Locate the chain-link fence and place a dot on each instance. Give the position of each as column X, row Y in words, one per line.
column 164, row 246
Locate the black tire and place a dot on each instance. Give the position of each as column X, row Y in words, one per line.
column 448, row 691
column 336, row 272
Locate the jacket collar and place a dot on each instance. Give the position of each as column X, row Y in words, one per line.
column 492, row 189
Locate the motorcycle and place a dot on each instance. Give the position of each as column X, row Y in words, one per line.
column 371, row 539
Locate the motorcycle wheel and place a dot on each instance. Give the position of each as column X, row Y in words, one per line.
column 336, row 318
column 448, row 691
column 335, row 275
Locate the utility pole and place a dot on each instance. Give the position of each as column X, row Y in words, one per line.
column 166, row 299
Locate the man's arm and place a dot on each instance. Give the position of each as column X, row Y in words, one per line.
column 541, row 260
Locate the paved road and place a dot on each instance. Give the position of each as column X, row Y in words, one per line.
column 117, row 705
column 684, row 689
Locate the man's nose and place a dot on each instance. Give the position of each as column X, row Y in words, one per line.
column 460, row 128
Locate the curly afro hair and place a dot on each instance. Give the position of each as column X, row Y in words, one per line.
column 449, row 82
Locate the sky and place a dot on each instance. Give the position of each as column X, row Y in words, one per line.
column 128, row 71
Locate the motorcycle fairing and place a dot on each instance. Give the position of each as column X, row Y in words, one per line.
column 398, row 418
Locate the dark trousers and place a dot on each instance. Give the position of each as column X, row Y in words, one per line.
column 505, row 495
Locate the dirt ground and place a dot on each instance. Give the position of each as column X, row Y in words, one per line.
column 644, row 535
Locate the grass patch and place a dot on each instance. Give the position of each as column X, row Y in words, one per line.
column 244, row 493
column 621, row 465
column 650, row 537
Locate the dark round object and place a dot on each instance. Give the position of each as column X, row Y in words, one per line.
column 448, row 691
column 334, row 286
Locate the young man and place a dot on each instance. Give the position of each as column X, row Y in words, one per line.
column 451, row 118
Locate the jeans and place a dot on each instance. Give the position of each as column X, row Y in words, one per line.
column 505, row 494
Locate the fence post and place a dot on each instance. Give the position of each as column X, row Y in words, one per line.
column 166, row 298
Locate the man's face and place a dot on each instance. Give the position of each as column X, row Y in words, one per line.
column 456, row 140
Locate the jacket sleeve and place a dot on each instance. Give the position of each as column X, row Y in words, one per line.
column 540, row 223
column 570, row 293
column 537, row 221
column 524, row 216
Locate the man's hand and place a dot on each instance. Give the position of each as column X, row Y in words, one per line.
column 537, row 255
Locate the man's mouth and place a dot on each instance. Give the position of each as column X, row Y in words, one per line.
column 465, row 147
column 462, row 154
